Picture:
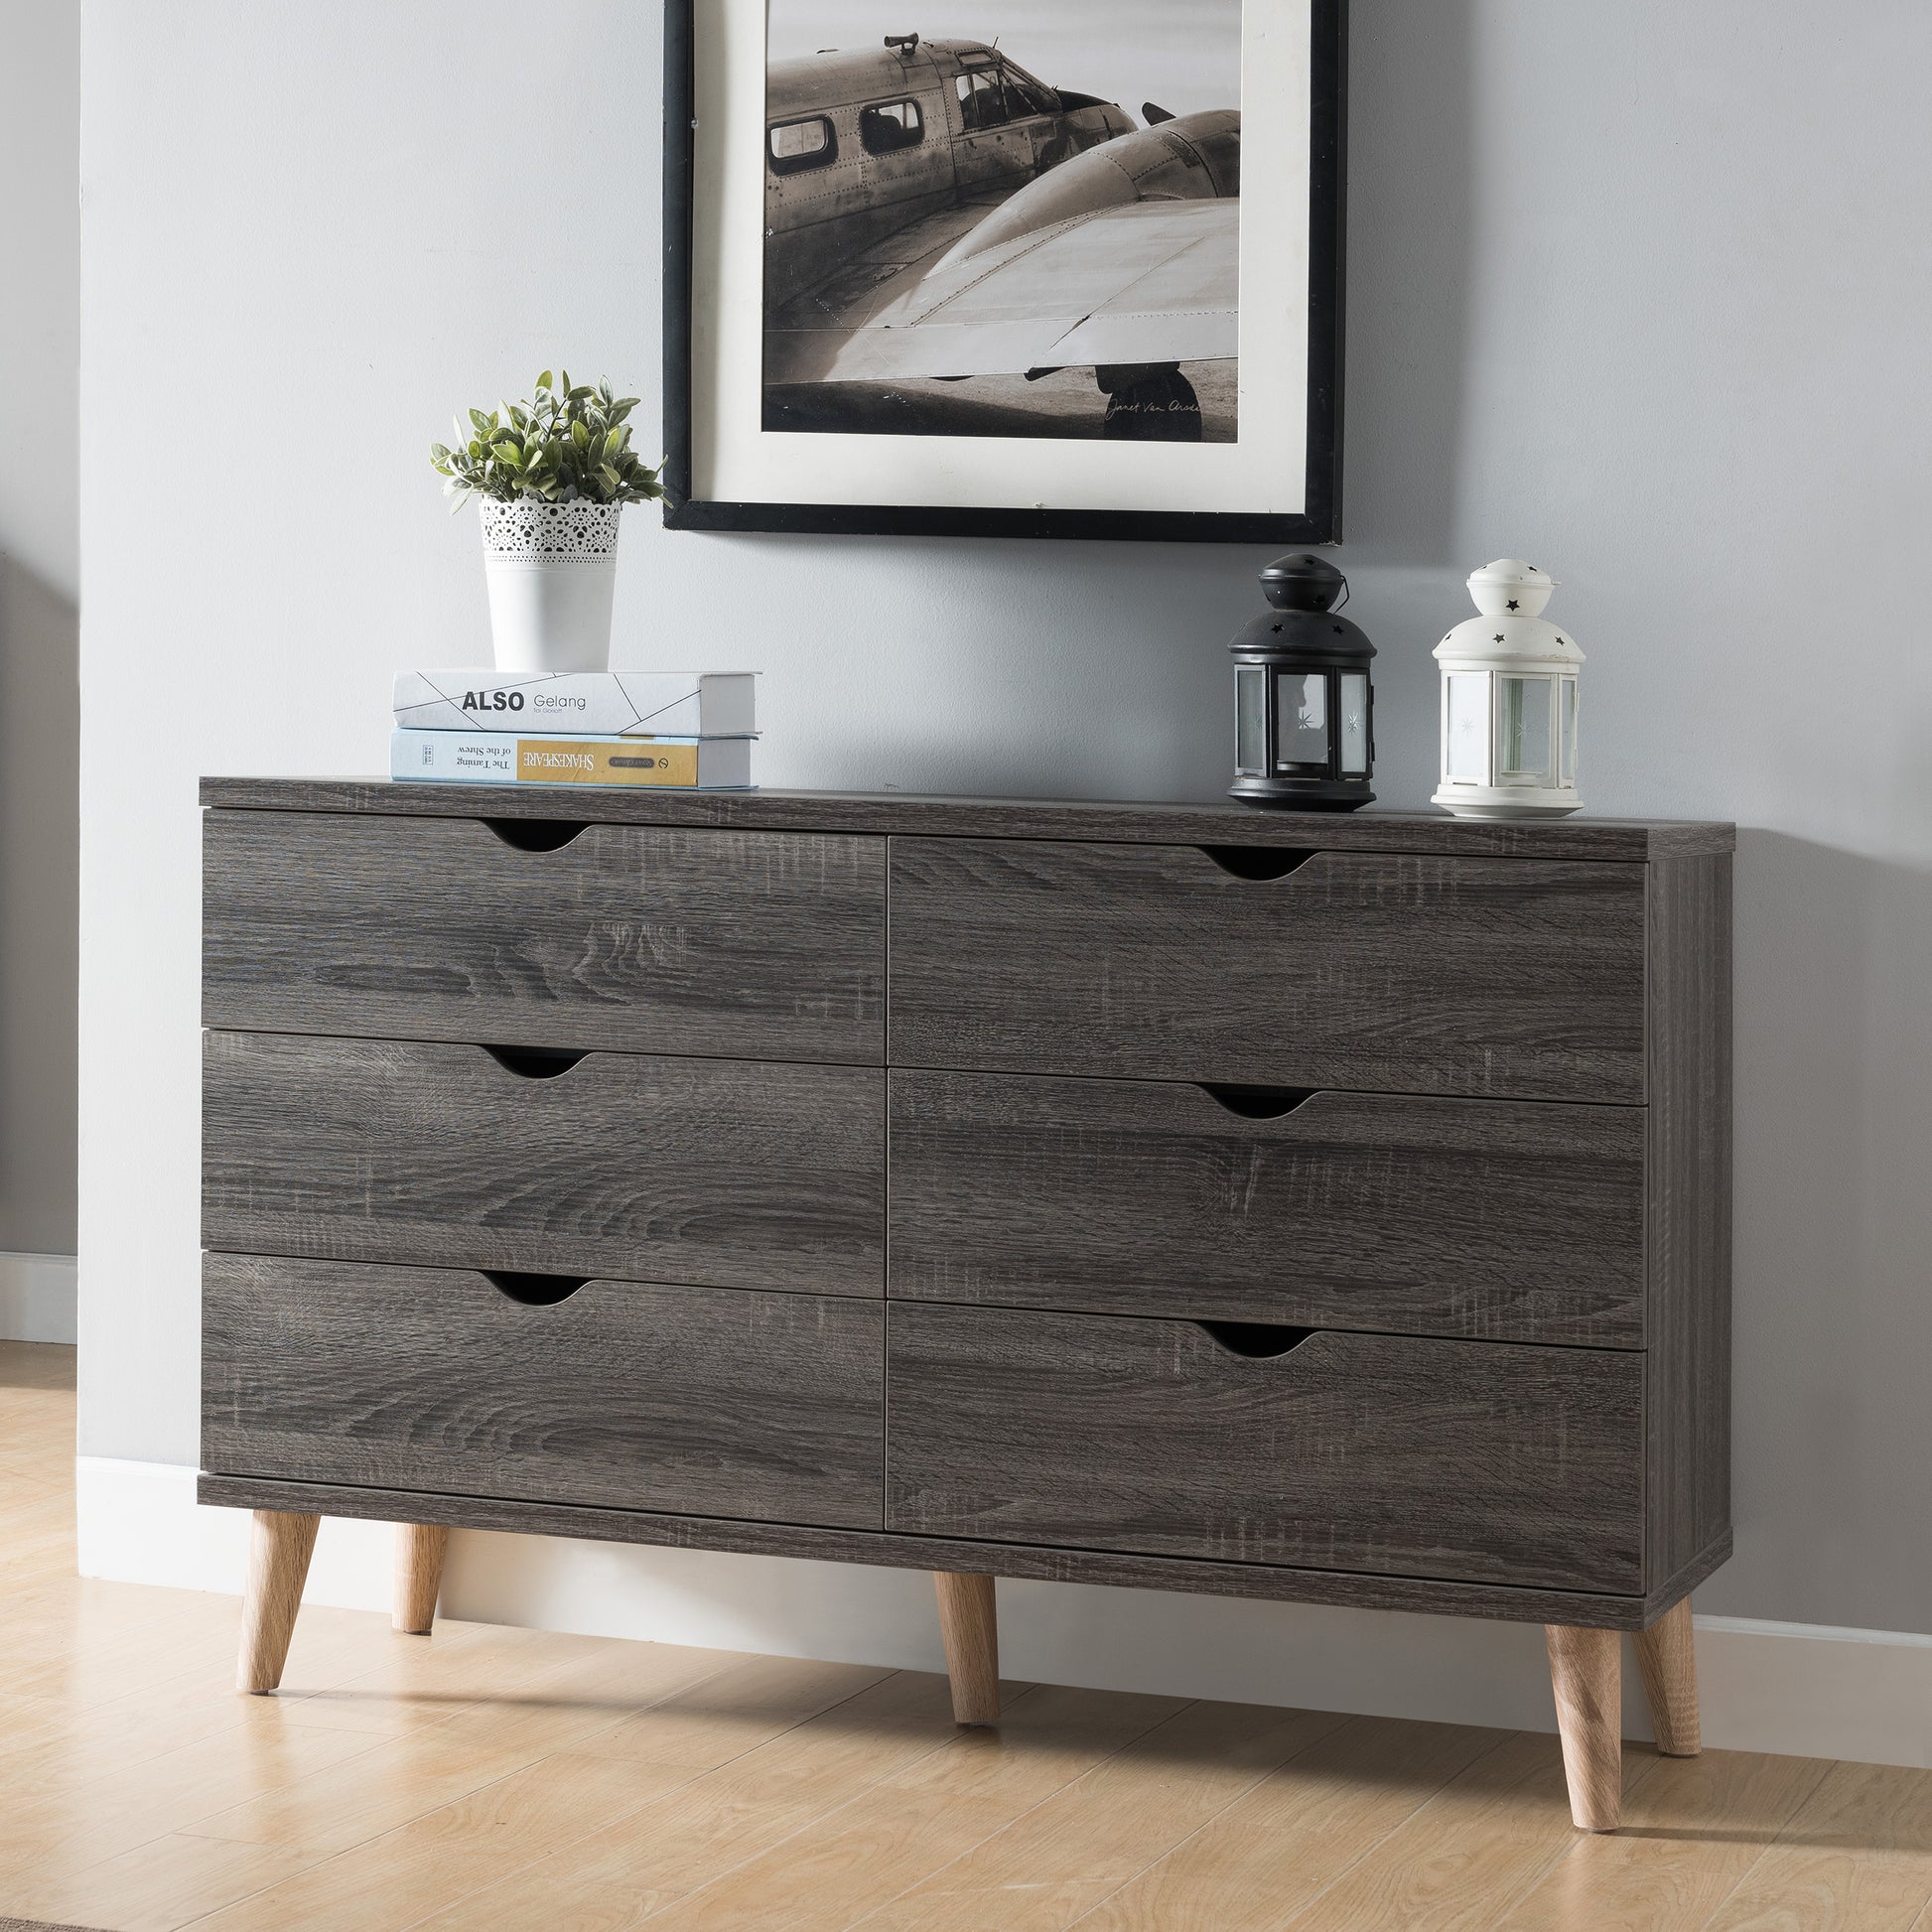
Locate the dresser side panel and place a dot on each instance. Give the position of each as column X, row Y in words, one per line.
column 1688, row 1230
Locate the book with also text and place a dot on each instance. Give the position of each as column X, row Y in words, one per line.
column 557, row 758
column 600, row 704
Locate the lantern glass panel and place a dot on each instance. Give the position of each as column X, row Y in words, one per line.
column 1468, row 728
column 1302, row 720
column 1569, row 731
column 1523, row 732
column 1354, row 724
column 1251, row 722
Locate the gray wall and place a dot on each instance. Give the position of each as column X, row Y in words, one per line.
column 1639, row 292
column 40, row 335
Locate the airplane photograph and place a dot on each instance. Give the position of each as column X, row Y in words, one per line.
column 1021, row 220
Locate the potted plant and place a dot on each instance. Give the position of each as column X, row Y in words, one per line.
column 552, row 474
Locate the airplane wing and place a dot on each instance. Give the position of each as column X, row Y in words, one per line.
column 1153, row 281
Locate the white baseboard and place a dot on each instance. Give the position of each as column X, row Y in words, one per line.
column 1799, row 1689
column 37, row 1298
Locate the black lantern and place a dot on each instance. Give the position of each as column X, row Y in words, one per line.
column 1303, row 707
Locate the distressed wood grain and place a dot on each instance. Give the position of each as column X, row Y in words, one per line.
column 1481, row 1220
column 1484, row 1461
column 704, row 1400
column 721, row 1172
column 1687, row 1209
column 1391, row 973
column 652, row 939
column 878, row 814
column 1041, row 1563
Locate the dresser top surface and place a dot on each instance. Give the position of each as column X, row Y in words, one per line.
column 1124, row 821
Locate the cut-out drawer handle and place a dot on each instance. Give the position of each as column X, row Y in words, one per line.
column 1259, row 1341
column 1257, row 1103
column 535, row 1062
column 536, row 834
column 533, row 1291
column 1257, row 861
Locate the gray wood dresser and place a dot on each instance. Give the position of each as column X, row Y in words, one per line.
column 1326, row 1209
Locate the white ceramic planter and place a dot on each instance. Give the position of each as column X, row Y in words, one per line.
column 552, row 571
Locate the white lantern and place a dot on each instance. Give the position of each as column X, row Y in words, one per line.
column 1509, row 702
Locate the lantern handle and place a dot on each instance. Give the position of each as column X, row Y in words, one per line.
column 1348, row 591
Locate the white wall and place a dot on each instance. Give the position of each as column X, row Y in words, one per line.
column 1637, row 291
column 39, row 344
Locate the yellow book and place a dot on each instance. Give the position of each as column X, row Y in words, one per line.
column 508, row 759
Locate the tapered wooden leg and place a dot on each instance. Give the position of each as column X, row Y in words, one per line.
column 1586, row 1674
column 1668, row 1661
column 971, row 1633
column 279, row 1548
column 419, row 1575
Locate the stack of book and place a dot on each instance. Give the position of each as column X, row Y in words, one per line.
column 688, row 729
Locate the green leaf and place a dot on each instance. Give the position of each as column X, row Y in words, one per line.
column 480, row 422
column 543, row 381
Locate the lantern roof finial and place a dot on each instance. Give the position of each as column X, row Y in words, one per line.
column 1301, row 582
column 1512, row 631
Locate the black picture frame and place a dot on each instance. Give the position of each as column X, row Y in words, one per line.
column 1318, row 523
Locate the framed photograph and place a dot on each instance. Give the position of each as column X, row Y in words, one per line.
column 1058, row 268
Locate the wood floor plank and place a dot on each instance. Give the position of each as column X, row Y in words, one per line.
column 408, row 1683
column 391, row 1882
column 426, row 1769
column 1689, row 1833
column 162, row 1884
column 1041, row 1872
column 1857, row 1856
column 751, row 1800
column 1461, row 1860
column 170, row 1710
column 736, row 1710
column 890, row 1837
column 38, row 1365
column 1275, row 1848
column 68, row 1828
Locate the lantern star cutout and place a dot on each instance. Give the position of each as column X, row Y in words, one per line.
column 1499, row 636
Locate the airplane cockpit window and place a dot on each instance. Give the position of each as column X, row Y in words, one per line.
column 1026, row 96
column 982, row 102
column 891, row 126
column 797, row 144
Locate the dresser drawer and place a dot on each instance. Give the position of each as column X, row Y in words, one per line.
column 1473, row 1461
column 701, row 1401
column 648, row 938
column 729, row 1173
column 1506, row 1220
column 1388, row 972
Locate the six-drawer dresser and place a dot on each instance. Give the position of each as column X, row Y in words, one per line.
column 1326, row 1209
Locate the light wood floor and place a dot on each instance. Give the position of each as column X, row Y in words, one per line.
column 498, row 1780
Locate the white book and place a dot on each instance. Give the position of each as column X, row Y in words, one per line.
column 611, row 703
column 567, row 759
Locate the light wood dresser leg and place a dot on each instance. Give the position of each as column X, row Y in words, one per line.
column 279, row 1548
column 1668, row 1660
column 1586, row 1674
column 969, row 1628
column 419, row 1548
